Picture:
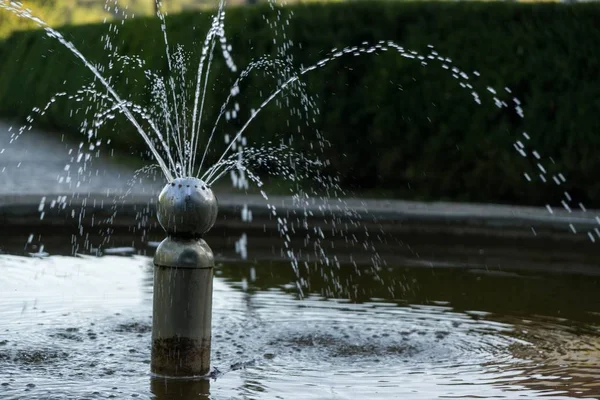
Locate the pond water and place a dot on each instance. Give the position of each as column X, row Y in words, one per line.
column 79, row 328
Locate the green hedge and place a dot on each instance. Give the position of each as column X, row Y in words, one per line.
column 394, row 126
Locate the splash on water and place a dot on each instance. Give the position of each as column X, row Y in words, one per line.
column 179, row 139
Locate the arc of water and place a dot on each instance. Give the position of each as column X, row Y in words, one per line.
column 163, row 106
column 457, row 73
column 321, row 63
column 139, row 110
column 229, row 164
column 335, row 54
column 177, row 130
column 18, row 9
column 255, row 113
column 196, row 134
column 221, row 113
column 119, row 108
column 262, row 155
column 196, row 118
column 263, row 61
column 183, row 95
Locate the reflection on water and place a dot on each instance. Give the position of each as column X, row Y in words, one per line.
column 80, row 328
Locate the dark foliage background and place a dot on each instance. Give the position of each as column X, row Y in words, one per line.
column 394, row 127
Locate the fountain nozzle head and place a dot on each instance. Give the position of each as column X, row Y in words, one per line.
column 187, row 207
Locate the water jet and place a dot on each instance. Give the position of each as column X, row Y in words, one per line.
column 183, row 273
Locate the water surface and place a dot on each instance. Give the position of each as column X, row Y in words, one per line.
column 79, row 328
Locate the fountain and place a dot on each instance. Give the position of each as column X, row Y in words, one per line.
column 184, row 265
column 183, row 275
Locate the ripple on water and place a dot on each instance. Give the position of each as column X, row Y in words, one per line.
column 66, row 322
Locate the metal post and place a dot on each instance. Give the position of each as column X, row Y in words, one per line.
column 183, row 274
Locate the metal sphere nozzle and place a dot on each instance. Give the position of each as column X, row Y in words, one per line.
column 187, row 207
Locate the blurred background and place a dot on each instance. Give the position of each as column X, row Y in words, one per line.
column 393, row 127
column 61, row 12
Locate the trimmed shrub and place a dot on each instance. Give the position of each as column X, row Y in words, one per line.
column 393, row 126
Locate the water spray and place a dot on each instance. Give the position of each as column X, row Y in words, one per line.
column 183, row 280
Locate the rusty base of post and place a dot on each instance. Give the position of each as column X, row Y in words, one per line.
column 180, row 357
